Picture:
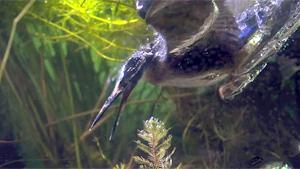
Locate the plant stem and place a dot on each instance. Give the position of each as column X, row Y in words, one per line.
column 11, row 36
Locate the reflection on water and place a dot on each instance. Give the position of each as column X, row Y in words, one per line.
column 264, row 43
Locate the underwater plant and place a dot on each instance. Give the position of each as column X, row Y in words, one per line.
column 155, row 143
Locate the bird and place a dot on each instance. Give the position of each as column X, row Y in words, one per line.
column 199, row 43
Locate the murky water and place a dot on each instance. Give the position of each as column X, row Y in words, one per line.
column 222, row 75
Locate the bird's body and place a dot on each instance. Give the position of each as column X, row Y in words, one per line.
column 197, row 67
column 200, row 43
column 195, row 54
column 206, row 42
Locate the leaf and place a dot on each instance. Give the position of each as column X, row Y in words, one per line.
column 142, row 161
column 49, row 48
column 166, row 144
column 49, row 69
column 143, row 147
column 119, row 166
column 64, row 49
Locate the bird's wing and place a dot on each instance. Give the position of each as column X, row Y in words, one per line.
column 179, row 20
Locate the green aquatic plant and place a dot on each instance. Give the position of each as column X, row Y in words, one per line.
column 120, row 166
column 55, row 75
column 156, row 144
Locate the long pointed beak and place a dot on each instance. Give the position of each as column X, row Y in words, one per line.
column 125, row 96
column 114, row 95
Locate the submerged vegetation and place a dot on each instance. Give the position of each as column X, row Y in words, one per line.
column 58, row 61
column 156, row 147
column 56, row 77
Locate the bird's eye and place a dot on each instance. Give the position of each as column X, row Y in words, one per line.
column 139, row 5
column 142, row 7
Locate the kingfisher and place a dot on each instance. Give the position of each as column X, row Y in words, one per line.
column 201, row 43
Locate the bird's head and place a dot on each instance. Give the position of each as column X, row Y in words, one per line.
column 127, row 78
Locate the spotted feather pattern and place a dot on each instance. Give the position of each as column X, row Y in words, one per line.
column 201, row 59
